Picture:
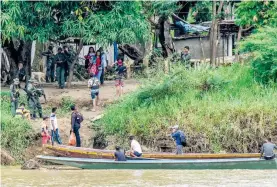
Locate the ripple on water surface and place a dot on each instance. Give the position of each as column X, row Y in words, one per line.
column 16, row 177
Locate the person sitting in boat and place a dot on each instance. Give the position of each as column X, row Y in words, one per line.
column 135, row 148
column 267, row 149
column 179, row 138
column 119, row 155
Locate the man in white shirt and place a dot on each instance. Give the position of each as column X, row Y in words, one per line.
column 54, row 127
column 135, row 148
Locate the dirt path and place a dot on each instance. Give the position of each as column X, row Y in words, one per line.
column 81, row 97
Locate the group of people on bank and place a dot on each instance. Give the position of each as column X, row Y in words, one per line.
column 95, row 65
column 60, row 63
column 33, row 93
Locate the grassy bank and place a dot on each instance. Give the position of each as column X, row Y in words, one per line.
column 18, row 134
column 219, row 109
column 15, row 133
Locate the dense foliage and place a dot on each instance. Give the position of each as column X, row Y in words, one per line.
column 93, row 21
column 262, row 46
column 14, row 132
column 256, row 13
column 219, row 109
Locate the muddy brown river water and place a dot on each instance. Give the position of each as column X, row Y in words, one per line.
column 15, row 177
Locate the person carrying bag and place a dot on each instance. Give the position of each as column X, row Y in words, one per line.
column 76, row 120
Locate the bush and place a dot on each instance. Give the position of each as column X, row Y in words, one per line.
column 67, row 102
column 219, row 109
column 14, row 132
column 263, row 48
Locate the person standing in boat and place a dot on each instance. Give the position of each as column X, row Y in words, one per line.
column 119, row 155
column 267, row 150
column 135, row 148
column 179, row 138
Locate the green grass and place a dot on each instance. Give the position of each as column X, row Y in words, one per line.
column 219, row 109
column 14, row 132
column 16, row 135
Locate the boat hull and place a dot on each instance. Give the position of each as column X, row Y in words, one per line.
column 244, row 163
column 77, row 152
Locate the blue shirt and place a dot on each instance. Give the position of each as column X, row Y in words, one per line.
column 177, row 137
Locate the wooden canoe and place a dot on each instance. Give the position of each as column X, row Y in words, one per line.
column 235, row 163
column 79, row 152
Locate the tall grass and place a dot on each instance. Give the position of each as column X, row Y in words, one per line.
column 219, row 109
column 14, row 132
column 17, row 134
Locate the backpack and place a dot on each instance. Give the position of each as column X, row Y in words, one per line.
column 93, row 69
column 183, row 138
column 79, row 118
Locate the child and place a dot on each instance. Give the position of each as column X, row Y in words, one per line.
column 44, row 131
column 21, row 112
column 54, row 127
column 119, row 83
column 94, row 85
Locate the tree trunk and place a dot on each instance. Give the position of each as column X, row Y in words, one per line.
column 73, row 63
column 165, row 37
column 238, row 39
column 214, row 33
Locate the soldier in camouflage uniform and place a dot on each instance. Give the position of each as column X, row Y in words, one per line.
column 33, row 98
column 14, row 93
column 50, row 65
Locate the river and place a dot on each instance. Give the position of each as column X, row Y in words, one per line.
column 15, row 177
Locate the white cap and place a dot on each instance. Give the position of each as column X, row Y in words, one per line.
column 175, row 127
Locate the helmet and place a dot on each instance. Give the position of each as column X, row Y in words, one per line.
column 16, row 81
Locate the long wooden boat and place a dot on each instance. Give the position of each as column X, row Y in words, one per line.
column 235, row 163
column 79, row 152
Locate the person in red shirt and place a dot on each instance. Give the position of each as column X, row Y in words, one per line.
column 98, row 63
column 89, row 58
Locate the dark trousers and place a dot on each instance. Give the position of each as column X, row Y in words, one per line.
column 77, row 134
column 60, row 72
column 14, row 106
column 102, row 77
column 269, row 158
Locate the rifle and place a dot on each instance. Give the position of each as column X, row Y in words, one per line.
column 29, row 95
column 40, row 91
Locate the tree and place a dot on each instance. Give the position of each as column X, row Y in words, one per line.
column 255, row 14
column 217, row 14
column 89, row 21
column 100, row 22
column 262, row 48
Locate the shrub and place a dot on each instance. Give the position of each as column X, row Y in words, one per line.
column 263, row 48
column 233, row 113
column 14, row 132
column 67, row 102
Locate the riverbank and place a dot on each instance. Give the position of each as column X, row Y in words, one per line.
column 220, row 110
column 21, row 139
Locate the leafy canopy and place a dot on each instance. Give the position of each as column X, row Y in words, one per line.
column 256, row 13
column 262, row 46
column 93, row 21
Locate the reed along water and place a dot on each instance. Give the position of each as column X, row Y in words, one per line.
column 15, row 177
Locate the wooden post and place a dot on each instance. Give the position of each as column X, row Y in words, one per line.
column 202, row 49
